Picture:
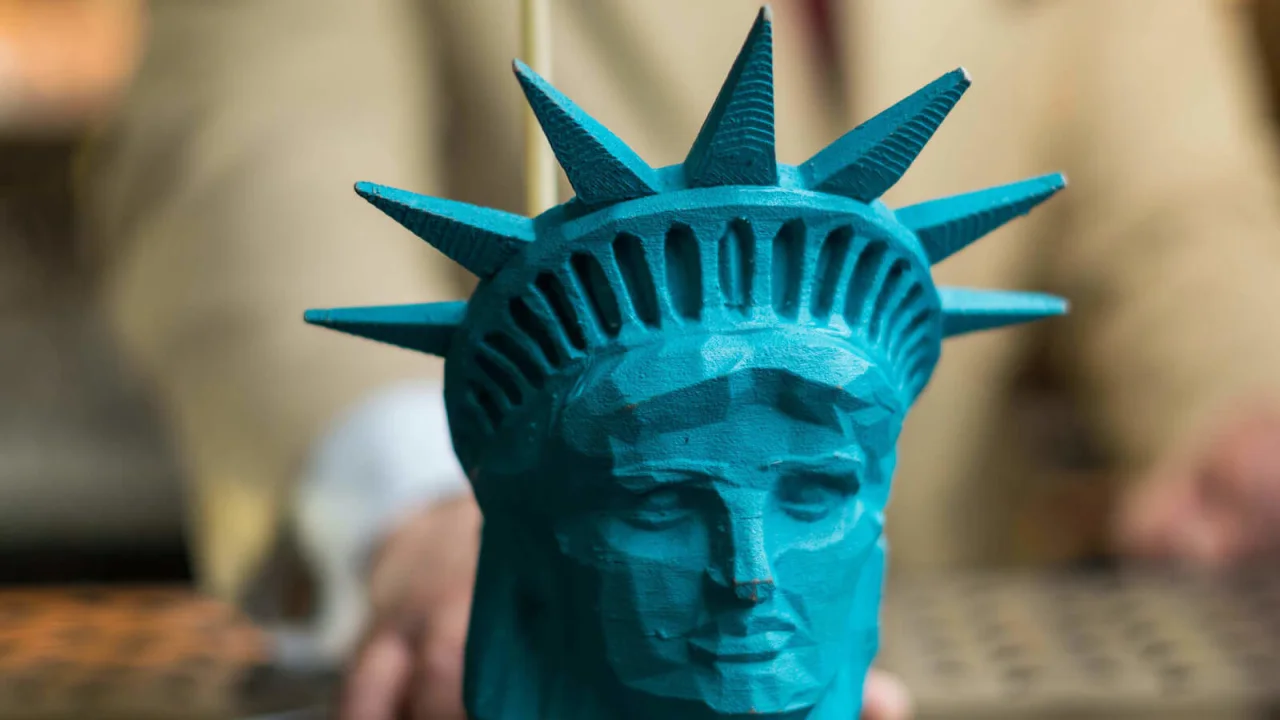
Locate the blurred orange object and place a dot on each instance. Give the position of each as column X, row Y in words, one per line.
column 62, row 62
column 130, row 651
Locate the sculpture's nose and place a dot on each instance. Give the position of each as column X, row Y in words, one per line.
column 753, row 591
column 747, row 570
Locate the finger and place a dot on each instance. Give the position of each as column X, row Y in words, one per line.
column 885, row 698
column 438, row 678
column 1156, row 513
column 1245, row 499
column 378, row 681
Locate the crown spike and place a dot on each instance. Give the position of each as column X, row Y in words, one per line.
column 872, row 157
column 479, row 239
column 736, row 145
column 601, row 168
column 965, row 310
column 427, row 328
column 948, row 225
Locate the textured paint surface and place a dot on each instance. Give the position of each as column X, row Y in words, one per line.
column 679, row 405
column 425, row 327
column 870, row 159
column 479, row 239
column 601, row 168
column 736, row 143
column 946, row 226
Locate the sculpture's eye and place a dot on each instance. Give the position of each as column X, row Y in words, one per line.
column 811, row 497
column 658, row 509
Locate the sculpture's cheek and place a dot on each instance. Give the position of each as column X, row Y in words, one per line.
column 828, row 581
column 648, row 585
column 647, row 611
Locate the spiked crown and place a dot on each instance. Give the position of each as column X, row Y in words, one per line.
column 729, row 241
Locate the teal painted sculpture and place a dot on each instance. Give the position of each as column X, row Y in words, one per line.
column 678, row 398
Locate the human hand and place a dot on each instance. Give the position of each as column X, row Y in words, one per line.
column 410, row 665
column 885, row 698
column 1214, row 506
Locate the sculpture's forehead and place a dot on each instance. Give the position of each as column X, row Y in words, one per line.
column 786, row 382
column 754, row 435
column 745, row 367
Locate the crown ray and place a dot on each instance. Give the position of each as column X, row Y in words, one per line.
column 479, row 239
column 601, row 168
column 427, row 328
column 948, row 225
column 872, row 157
column 736, row 145
column 965, row 310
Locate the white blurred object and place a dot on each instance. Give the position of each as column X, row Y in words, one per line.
column 390, row 457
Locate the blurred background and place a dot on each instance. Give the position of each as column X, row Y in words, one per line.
column 79, row 433
column 104, row 533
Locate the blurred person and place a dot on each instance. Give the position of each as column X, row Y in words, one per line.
column 1216, row 499
column 222, row 198
column 63, row 64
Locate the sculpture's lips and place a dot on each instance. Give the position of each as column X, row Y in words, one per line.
column 755, row 639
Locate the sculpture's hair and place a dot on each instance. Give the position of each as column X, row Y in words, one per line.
column 729, row 241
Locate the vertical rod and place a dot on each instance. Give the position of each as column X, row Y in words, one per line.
column 540, row 164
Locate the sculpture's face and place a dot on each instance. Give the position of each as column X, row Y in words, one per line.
column 736, row 560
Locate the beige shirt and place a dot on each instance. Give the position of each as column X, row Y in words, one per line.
column 223, row 199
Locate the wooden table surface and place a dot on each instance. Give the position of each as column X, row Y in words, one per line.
column 130, row 653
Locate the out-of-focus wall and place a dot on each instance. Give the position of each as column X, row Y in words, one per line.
column 82, row 460
column 1266, row 21
column 83, row 464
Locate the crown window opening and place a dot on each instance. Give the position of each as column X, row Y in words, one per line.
column 788, row 268
column 917, row 339
column 906, row 320
column 831, row 262
column 919, row 368
column 684, row 272
column 889, row 290
column 533, row 327
column 501, row 377
column 510, row 350
column 861, row 282
column 628, row 250
column 599, row 293
column 737, row 265
column 552, row 290
column 491, row 412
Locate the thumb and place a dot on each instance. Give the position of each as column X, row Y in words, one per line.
column 376, row 684
column 440, row 659
column 885, row 698
column 1152, row 518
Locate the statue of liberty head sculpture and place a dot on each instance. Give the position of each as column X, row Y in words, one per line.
column 678, row 398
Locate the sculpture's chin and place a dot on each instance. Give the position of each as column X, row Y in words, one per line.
column 780, row 685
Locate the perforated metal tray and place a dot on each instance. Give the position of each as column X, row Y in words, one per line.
column 1128, row 646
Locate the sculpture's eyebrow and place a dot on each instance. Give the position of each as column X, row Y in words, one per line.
column 842, row 463
column 647, row 476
